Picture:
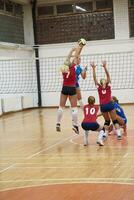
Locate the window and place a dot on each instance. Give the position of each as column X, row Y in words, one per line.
column 9, row 6
column 104, row 4
column 131, row 17
column 68, row 8
column 1, row 5
column 131, row 2
column 18, row 11
column 83, row 7
column 45, row 10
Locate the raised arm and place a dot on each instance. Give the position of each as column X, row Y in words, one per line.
column 94, row 72
column 106, row 71
column 84, row 72
column 70, row 55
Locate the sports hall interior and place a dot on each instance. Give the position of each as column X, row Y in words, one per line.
column 36, row 162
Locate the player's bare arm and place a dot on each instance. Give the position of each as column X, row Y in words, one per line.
column 104, row 65
column 94, row 72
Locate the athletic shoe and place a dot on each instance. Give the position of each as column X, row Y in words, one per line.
column 58, row 127
column 76, row 129
column 119, row 134
column 105, row 135
column 119, row 137
column 100, row 142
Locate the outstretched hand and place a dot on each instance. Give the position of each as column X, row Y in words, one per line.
column 104, row 63
column 93, row 65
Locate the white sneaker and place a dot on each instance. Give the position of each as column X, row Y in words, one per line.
column 119, row 134
column 100, row 142
column 100, row 138
column 105, row 135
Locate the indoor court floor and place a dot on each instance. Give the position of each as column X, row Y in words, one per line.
column 38, row 163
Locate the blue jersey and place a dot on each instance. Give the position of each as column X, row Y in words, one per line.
column 78, row 71
column 120, row 112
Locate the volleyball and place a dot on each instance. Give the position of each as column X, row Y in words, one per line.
column 64, row 68
column 82, row 41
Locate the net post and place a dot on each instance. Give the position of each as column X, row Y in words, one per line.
column 38, row 76
column 36, row 49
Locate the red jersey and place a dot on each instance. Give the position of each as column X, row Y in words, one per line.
column 69, row 79
column 104, row 94
column 90, row 113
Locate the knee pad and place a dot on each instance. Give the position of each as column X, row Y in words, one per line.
column 107, row 123
column 74, row 110
column 115, row 121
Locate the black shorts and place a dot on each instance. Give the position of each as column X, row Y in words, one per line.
column 93, row 126
column 67, row 90
column 107, row 107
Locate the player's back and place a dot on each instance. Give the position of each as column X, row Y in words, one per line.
column 90, row 113
column 119, row 111
column 104, row 94
column 69, row 79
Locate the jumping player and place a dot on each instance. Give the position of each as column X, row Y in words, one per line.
column 89, row 121
column 106, row 105
column 80, row 70
column 69, row 87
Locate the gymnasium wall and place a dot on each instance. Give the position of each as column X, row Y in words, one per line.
column 121, row 43
column 17, row 70
column 94, row 48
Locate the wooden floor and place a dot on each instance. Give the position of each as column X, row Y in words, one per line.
column 37, row 163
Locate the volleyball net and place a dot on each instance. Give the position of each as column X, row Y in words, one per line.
column 19, row 76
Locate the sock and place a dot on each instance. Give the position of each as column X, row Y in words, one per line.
column 118, row 131
column 59, row 115
column 75, row 116
column 85, row 137
column 101, row 134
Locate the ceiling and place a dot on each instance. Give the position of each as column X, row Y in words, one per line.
column 39, row 2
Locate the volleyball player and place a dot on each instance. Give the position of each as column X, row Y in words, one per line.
column 80, row 71
column 89, row 121
column 121, row 117
column 106, row 105
column 69, row 87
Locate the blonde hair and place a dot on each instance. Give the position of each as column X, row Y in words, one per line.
column 102, row 80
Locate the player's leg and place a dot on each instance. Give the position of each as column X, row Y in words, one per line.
column 100, row 136
column 86, row 129
column 63, row 99
column 74, row 111
column 122, row 123
column 116, row 124
column 106, row 123
column 79, row 97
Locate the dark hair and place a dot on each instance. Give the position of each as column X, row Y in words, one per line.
column 115, row 99
column 91, row 100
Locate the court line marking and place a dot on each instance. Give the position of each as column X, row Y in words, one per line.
column 5, row 169
column 37, row 153
column 126, row 154
column 75, row 143
column 65, row 183
column 4, row 157
column 117, row 164
column 51, row 146
column 66, row 167
column 70, row 179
